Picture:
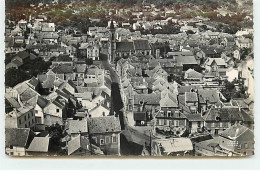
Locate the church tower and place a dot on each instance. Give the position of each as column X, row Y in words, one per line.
column 112, row 43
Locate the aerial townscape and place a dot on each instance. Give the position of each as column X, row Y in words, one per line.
column 129, row 78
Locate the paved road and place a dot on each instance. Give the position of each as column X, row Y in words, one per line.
column 107, row 66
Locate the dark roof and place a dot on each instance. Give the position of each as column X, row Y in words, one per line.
column 207, row 94
column 63, row 58
column 124, row 46
column 223, row 114
column 17, row 137
column 42, row 102
column 23, row 54
column 63, row 69
column 33, row 81
column 201, row 137
column 194, row 117
column 183, row 89
column 141, row 45
column 186, row 60
column 149, row 99
column 191, row 97
column 139, row 116
column 104, row 124
column 246, row 116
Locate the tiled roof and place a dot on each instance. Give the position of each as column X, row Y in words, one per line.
column 17, row 137
column 63, row 69
column 76, row 143
column 194, row 117
column 234, row 131
column 193, row 74
column 39, row 144
column 183, row 89
column 141, row 45
column 186, row 60
column 149, row 99
column 223, row 114
column 124, row 46
column 207, row 94
column 104, row 124
column 191, row 97
column 77, row 126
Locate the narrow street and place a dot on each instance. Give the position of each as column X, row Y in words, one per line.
column 130, row 135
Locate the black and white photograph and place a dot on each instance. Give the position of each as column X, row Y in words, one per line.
column 131, row 78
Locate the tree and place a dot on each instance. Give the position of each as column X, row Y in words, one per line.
column 55, row 133
column 89, row 61
column 14, row 76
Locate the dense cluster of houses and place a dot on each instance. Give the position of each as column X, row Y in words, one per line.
column 71, row 94
column 189, row 116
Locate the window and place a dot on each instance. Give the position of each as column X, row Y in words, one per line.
column 246, row 146
column 177, row 123
column 32, row 120
column 107, row 139
column 36, row 111
column 95, row 139
column 11, row 147
column 168, row 113
column 102, row 142
column 114, row 140
column 25, row 118
column 57, row 110
column 11, row 153
column 20, row 122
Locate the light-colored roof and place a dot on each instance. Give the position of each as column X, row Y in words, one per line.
column 175, row 145
column 39, row 144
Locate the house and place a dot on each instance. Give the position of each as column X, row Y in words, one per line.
column 62, row 59
column 209, row 147
column 220, row 119
column 23, row 117
column 195, row 123
column 57, row 107
column 237, row 139
column 208, row 98
column 39, row 146
column 105, row 133
column 244, row 43
column 186, row 62
column 80, row 146
column 213, row 64
column 17, row 140
column 171, row 147
column 192, row 101
column 193, row 77
column 76, row 127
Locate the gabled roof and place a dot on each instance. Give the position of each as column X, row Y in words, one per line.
column 191, row 97
column 169, row 100
column 39, row 144
column 188, row 88
column 106, row 124
column 77, row 126
column 76, row 143
column 141, row 45
column 223, row 114
column 124, row 46
column 191, row 74
column 218, row 61
column 148, row 99
column 208, row 95
column 235, row 131
column 17, row 137
column 186, row 60
column 194, row 117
